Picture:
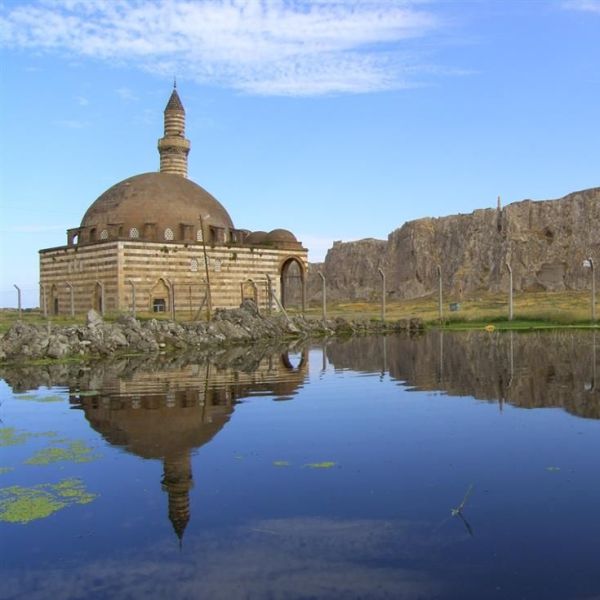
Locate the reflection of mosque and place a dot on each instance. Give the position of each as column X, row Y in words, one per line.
column 165, row 414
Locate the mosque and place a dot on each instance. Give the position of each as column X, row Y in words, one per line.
column 158, row 242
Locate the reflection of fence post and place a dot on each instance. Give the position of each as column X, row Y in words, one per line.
column 132, row 284
column 324, row 287
column 18, row 298
column 510, row 292
column 72, row 297
column 382, row 294
column 440, row 306
column 44, row 307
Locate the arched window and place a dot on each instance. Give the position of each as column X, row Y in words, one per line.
column 199, row 236
column 193, row 265
column 134, row 234
column 104, row 234
column 93, row 234
column 169, row 234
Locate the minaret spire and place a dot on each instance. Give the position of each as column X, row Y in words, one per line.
column 173, row 147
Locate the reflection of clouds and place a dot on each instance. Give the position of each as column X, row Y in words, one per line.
column 276, row 558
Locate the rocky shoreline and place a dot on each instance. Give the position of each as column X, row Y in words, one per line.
column 244, row 325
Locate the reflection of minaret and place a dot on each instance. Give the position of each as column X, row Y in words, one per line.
column 177, row 482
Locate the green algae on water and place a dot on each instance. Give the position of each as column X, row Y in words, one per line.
column 321, row 465
column 281, row 463
column 75, row 452
column 10, row 437
column 20, row 504
column 6, row 470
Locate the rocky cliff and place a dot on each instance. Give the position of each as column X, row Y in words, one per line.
column 545, row 242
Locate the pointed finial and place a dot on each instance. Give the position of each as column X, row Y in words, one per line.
column 174, row 82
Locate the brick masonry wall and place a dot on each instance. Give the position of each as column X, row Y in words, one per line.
column 158, row 270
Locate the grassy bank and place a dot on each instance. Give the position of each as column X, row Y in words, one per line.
column 532, row 310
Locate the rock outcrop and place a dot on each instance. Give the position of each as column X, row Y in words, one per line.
column 242, row 325
column 545, row 243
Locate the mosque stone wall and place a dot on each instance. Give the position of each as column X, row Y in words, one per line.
column 105, row 276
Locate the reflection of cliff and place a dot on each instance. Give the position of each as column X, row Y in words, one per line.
column 165, row 414
column 545, row 369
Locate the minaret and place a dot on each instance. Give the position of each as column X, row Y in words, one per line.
column 173, row 147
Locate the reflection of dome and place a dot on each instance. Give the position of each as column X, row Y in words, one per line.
column 164, row 199
column 281, row 235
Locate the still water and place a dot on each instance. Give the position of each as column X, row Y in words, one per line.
column 441, row 466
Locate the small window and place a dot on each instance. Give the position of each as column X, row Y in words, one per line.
column 104, row 234
column 92, row 235
column 169, row 234
column 159, row 305
column 193, row 265
column 217, row 265
column 134, row 234
column 199, row 236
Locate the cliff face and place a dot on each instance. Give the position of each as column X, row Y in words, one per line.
column 544, row 241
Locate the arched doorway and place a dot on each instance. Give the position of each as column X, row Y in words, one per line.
column 160, row 296
column 292, row 284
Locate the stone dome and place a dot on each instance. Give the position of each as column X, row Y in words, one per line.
column 256, row 237
column 164, row 201
column 281, row 235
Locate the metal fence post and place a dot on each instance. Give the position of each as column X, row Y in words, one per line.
column 324, row 295
column 510, row 292
column 440, row 301
column 72, row 295
column 593, row 289
column 18, row 298
column 132, row 284
column 382, row 293
column 44, row 307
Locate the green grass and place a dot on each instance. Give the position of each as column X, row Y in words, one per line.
column 532, row 310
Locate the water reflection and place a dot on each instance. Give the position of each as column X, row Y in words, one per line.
column 383, row 516
column 165, row 408
column 533, row 370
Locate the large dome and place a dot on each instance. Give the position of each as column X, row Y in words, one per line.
column 166, row 201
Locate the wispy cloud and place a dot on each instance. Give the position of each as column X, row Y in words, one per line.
column 592, row 6
column 82, row 100
column 281, row 47
column 126, row 94
column 71, row 123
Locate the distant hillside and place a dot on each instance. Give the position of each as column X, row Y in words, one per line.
column 544, row 241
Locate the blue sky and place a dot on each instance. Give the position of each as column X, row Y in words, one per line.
column 335, row 119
